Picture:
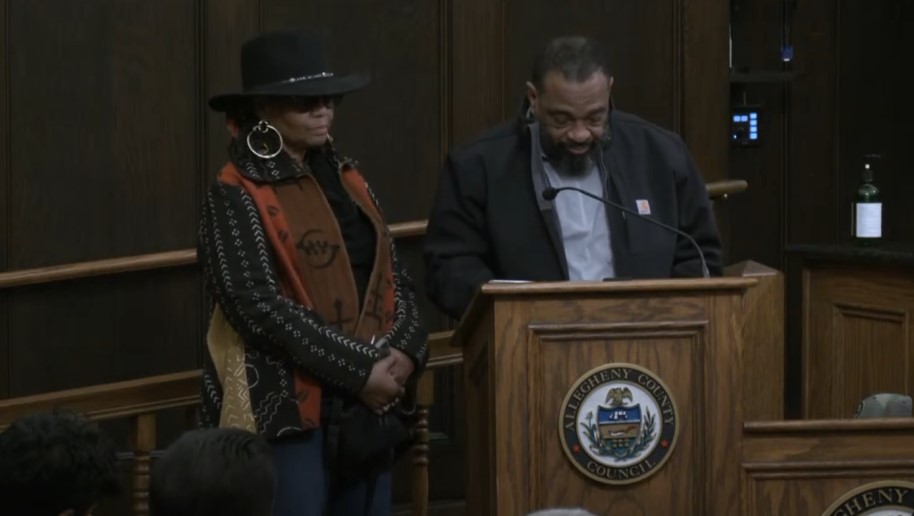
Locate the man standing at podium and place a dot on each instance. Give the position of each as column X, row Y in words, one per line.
column 503, row 209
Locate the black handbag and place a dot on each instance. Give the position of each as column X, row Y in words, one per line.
column 359, row 443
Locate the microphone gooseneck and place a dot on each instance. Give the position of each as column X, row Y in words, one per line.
column 550, row 193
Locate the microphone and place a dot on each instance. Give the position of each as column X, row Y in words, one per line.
column 551, row 193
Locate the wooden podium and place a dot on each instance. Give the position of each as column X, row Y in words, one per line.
column 667, row 370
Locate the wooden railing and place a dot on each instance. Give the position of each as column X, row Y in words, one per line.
column 154, row 261
column 718, row 190
column 140, row 400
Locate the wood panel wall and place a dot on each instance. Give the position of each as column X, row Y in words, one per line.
column 842, row 97
column 757, row 215
column 4, row 197
column 847, row 101
column 843, row 100
column 103, row 159
column 108, row 145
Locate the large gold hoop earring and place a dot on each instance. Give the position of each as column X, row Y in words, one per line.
column 263, row 129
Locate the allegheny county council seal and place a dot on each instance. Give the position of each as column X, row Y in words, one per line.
column 618, row 423
column 883, row 498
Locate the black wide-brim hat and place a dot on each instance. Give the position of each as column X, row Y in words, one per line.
column 287, row 63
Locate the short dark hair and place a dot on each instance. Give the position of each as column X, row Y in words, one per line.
column 577, row 58
column 214, row 472
column 54, row 461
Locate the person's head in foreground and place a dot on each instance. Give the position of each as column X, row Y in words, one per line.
column 55, row 464
column 214, row 472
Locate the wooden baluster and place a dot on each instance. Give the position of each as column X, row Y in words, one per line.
column 425, row 398
column 420, row 465
column 143, row 441
column 191, row 420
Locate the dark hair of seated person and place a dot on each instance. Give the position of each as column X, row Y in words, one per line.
column 214, row 472
column 55, row 463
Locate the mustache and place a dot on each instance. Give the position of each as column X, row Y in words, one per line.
column 549, row 144
column 557, row 149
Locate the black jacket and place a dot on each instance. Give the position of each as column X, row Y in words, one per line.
column 486, row 222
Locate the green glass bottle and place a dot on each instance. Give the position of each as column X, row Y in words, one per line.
column 867, row 212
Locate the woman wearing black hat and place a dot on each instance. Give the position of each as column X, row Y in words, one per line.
column 315, row 339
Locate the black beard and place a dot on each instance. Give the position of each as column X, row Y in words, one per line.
column 564, row 161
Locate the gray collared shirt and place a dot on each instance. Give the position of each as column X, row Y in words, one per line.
column 585, row 228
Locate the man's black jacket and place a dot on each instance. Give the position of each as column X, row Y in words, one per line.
column 488, row 223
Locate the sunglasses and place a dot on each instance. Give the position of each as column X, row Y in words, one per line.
column 307, row 104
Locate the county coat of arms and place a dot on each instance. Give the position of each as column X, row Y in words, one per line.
column 880, row 498
column 618, row 423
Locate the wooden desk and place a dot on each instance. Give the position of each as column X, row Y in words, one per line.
column 804, row 467
column 857, row 312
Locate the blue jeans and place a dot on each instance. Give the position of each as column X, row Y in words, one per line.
column 303, row 489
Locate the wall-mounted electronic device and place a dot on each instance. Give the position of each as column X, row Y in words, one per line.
column 744, row 125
